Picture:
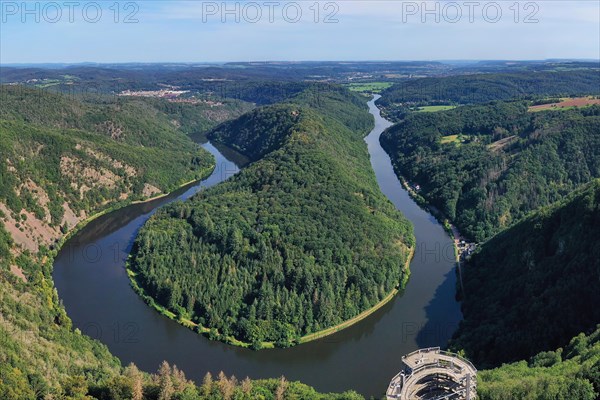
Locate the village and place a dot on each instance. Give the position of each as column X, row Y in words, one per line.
column 170, row 94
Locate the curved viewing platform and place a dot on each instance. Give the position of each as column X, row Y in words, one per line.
column 433, row 374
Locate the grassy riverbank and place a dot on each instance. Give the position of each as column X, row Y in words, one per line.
column 300, row 241
column 210, row 333
column 366, row 313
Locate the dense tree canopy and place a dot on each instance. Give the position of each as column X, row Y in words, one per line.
column 535, row 285
column 41, row 355
column 572, row 372
column 482, row 88
column 300, row 240
column 487, row 166
column 303, row 238
column 86, row 154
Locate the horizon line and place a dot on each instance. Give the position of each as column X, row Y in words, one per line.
column 11, row 64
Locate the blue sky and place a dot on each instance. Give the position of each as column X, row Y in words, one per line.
column 196, row 31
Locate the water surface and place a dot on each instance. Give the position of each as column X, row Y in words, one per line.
column 91, row 279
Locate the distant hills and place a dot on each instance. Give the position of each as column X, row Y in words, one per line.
column 471, row 88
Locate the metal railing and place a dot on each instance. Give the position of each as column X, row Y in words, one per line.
column 454, row 369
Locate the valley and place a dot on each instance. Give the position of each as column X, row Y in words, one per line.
column 423, row 314
column 261, row 229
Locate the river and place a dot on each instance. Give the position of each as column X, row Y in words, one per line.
column 89, row 273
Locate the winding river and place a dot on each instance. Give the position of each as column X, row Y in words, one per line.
column 91, row 280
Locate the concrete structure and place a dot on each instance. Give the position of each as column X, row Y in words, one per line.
column 433, row 374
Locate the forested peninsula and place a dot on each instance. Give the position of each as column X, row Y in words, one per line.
column 299, row 241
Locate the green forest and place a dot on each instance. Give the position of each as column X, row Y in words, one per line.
column 482, row 88
column 567, row 373
column 535, row 285
column 43, row 357
column 86, row 154
column 300, row 240
column 487, row 166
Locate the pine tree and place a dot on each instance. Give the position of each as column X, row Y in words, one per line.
column 281, row 388
column 165, row 382
column 179, row 380
column 207, row 384
column 137, row 386
column 225, row 386
column 247, row 386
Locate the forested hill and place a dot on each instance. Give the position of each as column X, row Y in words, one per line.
column 300, row 240
column 482, row 88
column 43, row 357
column 257, row 133
column 63, row 160
column 487, row 166
column 566, row 373
column 60, row 162
column 535, row 285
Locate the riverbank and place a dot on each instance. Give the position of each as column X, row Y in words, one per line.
column 213, row 334
column 364, row 314
column 449, row 227
column 100, row 300
column 461, row 248
column 203, row 174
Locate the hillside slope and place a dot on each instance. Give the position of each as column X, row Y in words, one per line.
column 61, row 162
column 487, row 166
column 535, row 285
column 568, row 373
column 64, row 160
column 300, row 240
column 43, row 357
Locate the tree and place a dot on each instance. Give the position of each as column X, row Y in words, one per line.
column 76, row 387
column 281, row 388
column 247, row 386
column 165, row 382
column 120, row 388
column 180, row 382
column 137, row 385
column 13, row 384
column 226, row 386
column 207, row 385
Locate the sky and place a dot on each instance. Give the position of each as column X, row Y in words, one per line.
column 217, row 31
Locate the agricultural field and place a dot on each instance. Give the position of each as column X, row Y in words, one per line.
column 566, row 103
column 456, row 139
column 371, row 87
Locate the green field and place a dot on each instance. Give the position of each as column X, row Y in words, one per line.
column 456, row 139
column 434, row 108
column 372, row 87
column 450, row 139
